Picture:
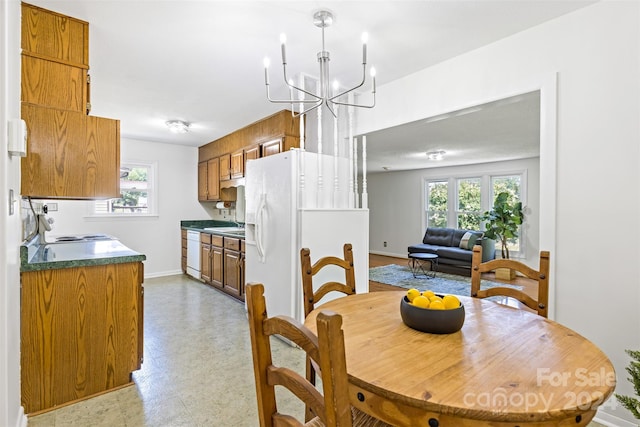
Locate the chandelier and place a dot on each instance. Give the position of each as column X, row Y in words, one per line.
column 321, row 19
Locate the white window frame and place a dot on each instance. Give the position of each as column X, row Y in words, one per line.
column 486, row 198
column 425, row 195
column 457, row 210
column 152, row 194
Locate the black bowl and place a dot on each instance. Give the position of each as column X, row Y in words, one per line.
column 432, row 321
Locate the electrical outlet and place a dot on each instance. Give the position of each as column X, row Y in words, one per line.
column 385, row 244
column 52, row 207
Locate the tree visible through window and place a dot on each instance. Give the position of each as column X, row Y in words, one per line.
column 136, row 193
column 437, row 199
column 469, row 204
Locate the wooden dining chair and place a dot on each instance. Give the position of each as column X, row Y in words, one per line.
column 311, row 298
column 539, row 304
column 331, row 407
column 309, row 270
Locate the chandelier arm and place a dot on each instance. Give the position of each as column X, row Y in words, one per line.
column 292, row 86
column 364, row 78
column 308, row 110
column 326, row 102
column 289, row 101
column 357, row 105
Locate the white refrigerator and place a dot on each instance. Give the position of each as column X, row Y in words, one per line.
column 300, row 199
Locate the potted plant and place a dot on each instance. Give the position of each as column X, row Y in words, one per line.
column 502, row 223
column 631, row 403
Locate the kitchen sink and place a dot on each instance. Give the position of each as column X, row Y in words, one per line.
column 225, row 229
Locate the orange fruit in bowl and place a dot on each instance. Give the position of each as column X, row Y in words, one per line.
column 412, row 293
column 436, row 305
column 421, row 301
column 450, row 302
column 428, row 294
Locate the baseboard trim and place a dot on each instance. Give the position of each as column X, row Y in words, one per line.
column 162, row 274
column 22, row 420
column 389, row 254
column 609, row 420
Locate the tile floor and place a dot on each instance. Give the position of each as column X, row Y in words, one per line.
column 197, row 368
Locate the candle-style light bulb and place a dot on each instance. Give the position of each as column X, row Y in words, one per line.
column 373, row 76
column 266, row 63
column 283, row 41
column 365, row 38
column 336, row 86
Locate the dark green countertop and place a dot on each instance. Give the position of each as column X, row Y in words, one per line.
column 35, row 256
column 200, row 225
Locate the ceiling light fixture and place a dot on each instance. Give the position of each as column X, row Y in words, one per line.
column 178, row 126
column 435, row 155
column 321, row 19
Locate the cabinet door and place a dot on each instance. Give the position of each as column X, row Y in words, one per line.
column 55, row 36
column 232, row 273
column 251, row 153
column 271, row 147
column 217, row 266
column 202, row 181
column 205, row 263
column 53, row 84
column 70, row 155
column 102, row 158
column 225, row 167
column 237, row 164
column 213, row 180
column 184, row 251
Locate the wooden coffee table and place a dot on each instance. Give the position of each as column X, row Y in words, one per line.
column 418, row 261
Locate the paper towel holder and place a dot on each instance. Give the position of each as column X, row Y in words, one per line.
column 224, row 205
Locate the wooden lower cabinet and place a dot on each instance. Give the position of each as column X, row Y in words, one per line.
column 183, row 262
column 217, row 267
column 233, row 268
column 222, row 263
column 81, row 332
column 211, row 268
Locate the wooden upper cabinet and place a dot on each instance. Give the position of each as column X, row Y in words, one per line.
column 251, row 153
column 272, row 147
column 54, row 36
column 225, row 167
column 53, row 84
column 208, row 180
column 70, row 155
column 213, row 179
column 237, row 164
column 55, row 60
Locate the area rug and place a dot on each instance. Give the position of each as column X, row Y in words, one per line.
column 443, row 283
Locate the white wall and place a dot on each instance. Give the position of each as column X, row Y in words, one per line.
column 396, row 204
column 595, row 53
column 157, row 237
column 11, row 413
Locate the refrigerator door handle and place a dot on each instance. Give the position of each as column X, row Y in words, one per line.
column 260, row 213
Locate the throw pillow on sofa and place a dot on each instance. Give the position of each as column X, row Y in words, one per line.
column 468, row 240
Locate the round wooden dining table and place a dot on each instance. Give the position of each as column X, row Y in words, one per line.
column 505, row 367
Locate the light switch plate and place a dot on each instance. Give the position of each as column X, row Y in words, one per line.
column 11, row 202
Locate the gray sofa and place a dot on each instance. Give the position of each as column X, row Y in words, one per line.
column 454, row 256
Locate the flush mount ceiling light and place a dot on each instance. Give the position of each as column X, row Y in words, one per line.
column 435, row 155
column 299, row 96
column 177, row 126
